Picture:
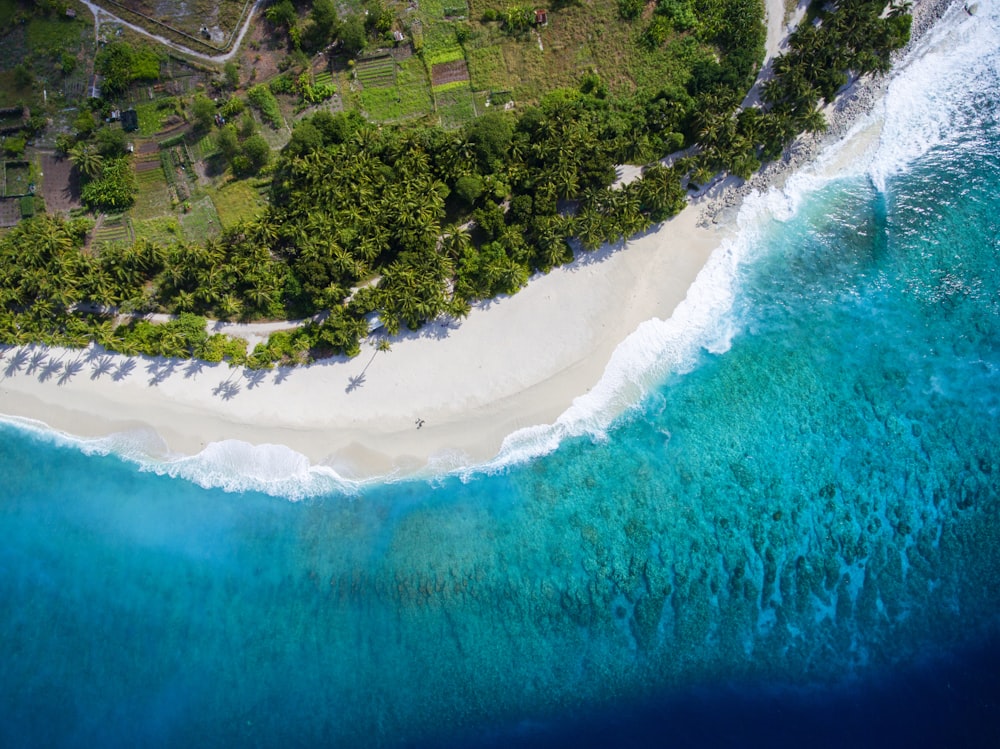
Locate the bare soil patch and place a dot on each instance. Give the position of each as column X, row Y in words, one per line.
column 10, row 211
column 260, row 64
column 60, row 184
column 449, row 72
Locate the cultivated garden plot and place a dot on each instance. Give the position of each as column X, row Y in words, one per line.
column 455, row 104
column 60, row 183
column 17, row 178
column 10, row 211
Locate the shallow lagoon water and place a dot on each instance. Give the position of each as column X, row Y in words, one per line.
column 795, row 540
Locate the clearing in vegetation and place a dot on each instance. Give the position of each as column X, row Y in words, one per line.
column 17, row 178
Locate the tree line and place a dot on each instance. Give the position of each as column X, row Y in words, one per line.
column 405, row 224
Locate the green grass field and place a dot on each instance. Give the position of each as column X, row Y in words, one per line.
column 17, row 176
column 154, row 198
column 58, row 34
column 411, row 97
column 455, row 104
column 164, row 230
column 237, row 201
column 151, row 117
column 201, row 221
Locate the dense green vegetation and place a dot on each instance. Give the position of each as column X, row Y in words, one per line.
column 119, row 64
column 414, row 221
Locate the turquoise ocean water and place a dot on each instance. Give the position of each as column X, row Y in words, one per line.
column 794, row 538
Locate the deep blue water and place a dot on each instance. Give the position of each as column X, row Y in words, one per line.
column 795, row 542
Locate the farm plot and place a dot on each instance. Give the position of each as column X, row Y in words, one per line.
column 449, row 72
column 164, row 230
column 205, row 147
column 455, row 104
column 376, row 72
column 201, row 221
column 17, row 177
column 111, row 229
column 11, row 119
column 10, row 211
column 60, row 184
column 411, row 97
column 176, row 163
column 238, row 201
column 487, row 68
column 154, row 198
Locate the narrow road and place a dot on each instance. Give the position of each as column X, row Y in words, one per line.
column 97, row 10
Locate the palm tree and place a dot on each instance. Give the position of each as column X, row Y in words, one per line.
column 86, row 158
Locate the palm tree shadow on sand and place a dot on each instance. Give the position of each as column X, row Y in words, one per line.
column 50, row 370
column 160, row 370
column 353, row 383
column 102, row 366
column 227, row 390
column 16, row 363
column 70, row 371
column 124, row 370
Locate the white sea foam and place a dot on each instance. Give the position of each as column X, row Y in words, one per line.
column 230, row 465
column 928, row 91
column 931, row 88
column 925, row 96
column 236, row 466
column 656, row 349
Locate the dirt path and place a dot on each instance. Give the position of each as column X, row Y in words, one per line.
column 777, row 33
column 97, row 11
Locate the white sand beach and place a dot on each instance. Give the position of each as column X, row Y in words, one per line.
column 448, row 396
column 450, row 392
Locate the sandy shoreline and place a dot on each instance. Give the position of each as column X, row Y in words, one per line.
column 444, row 395
column 515, row 362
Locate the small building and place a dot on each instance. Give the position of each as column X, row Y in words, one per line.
column 70, row 13
column 398, row 36
column 130, row 120
column 541, row 17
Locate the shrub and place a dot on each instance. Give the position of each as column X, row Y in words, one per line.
column 233, row 107
column 469, row 188
column 114, row 190
column 263, row 100
column 14, row 146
